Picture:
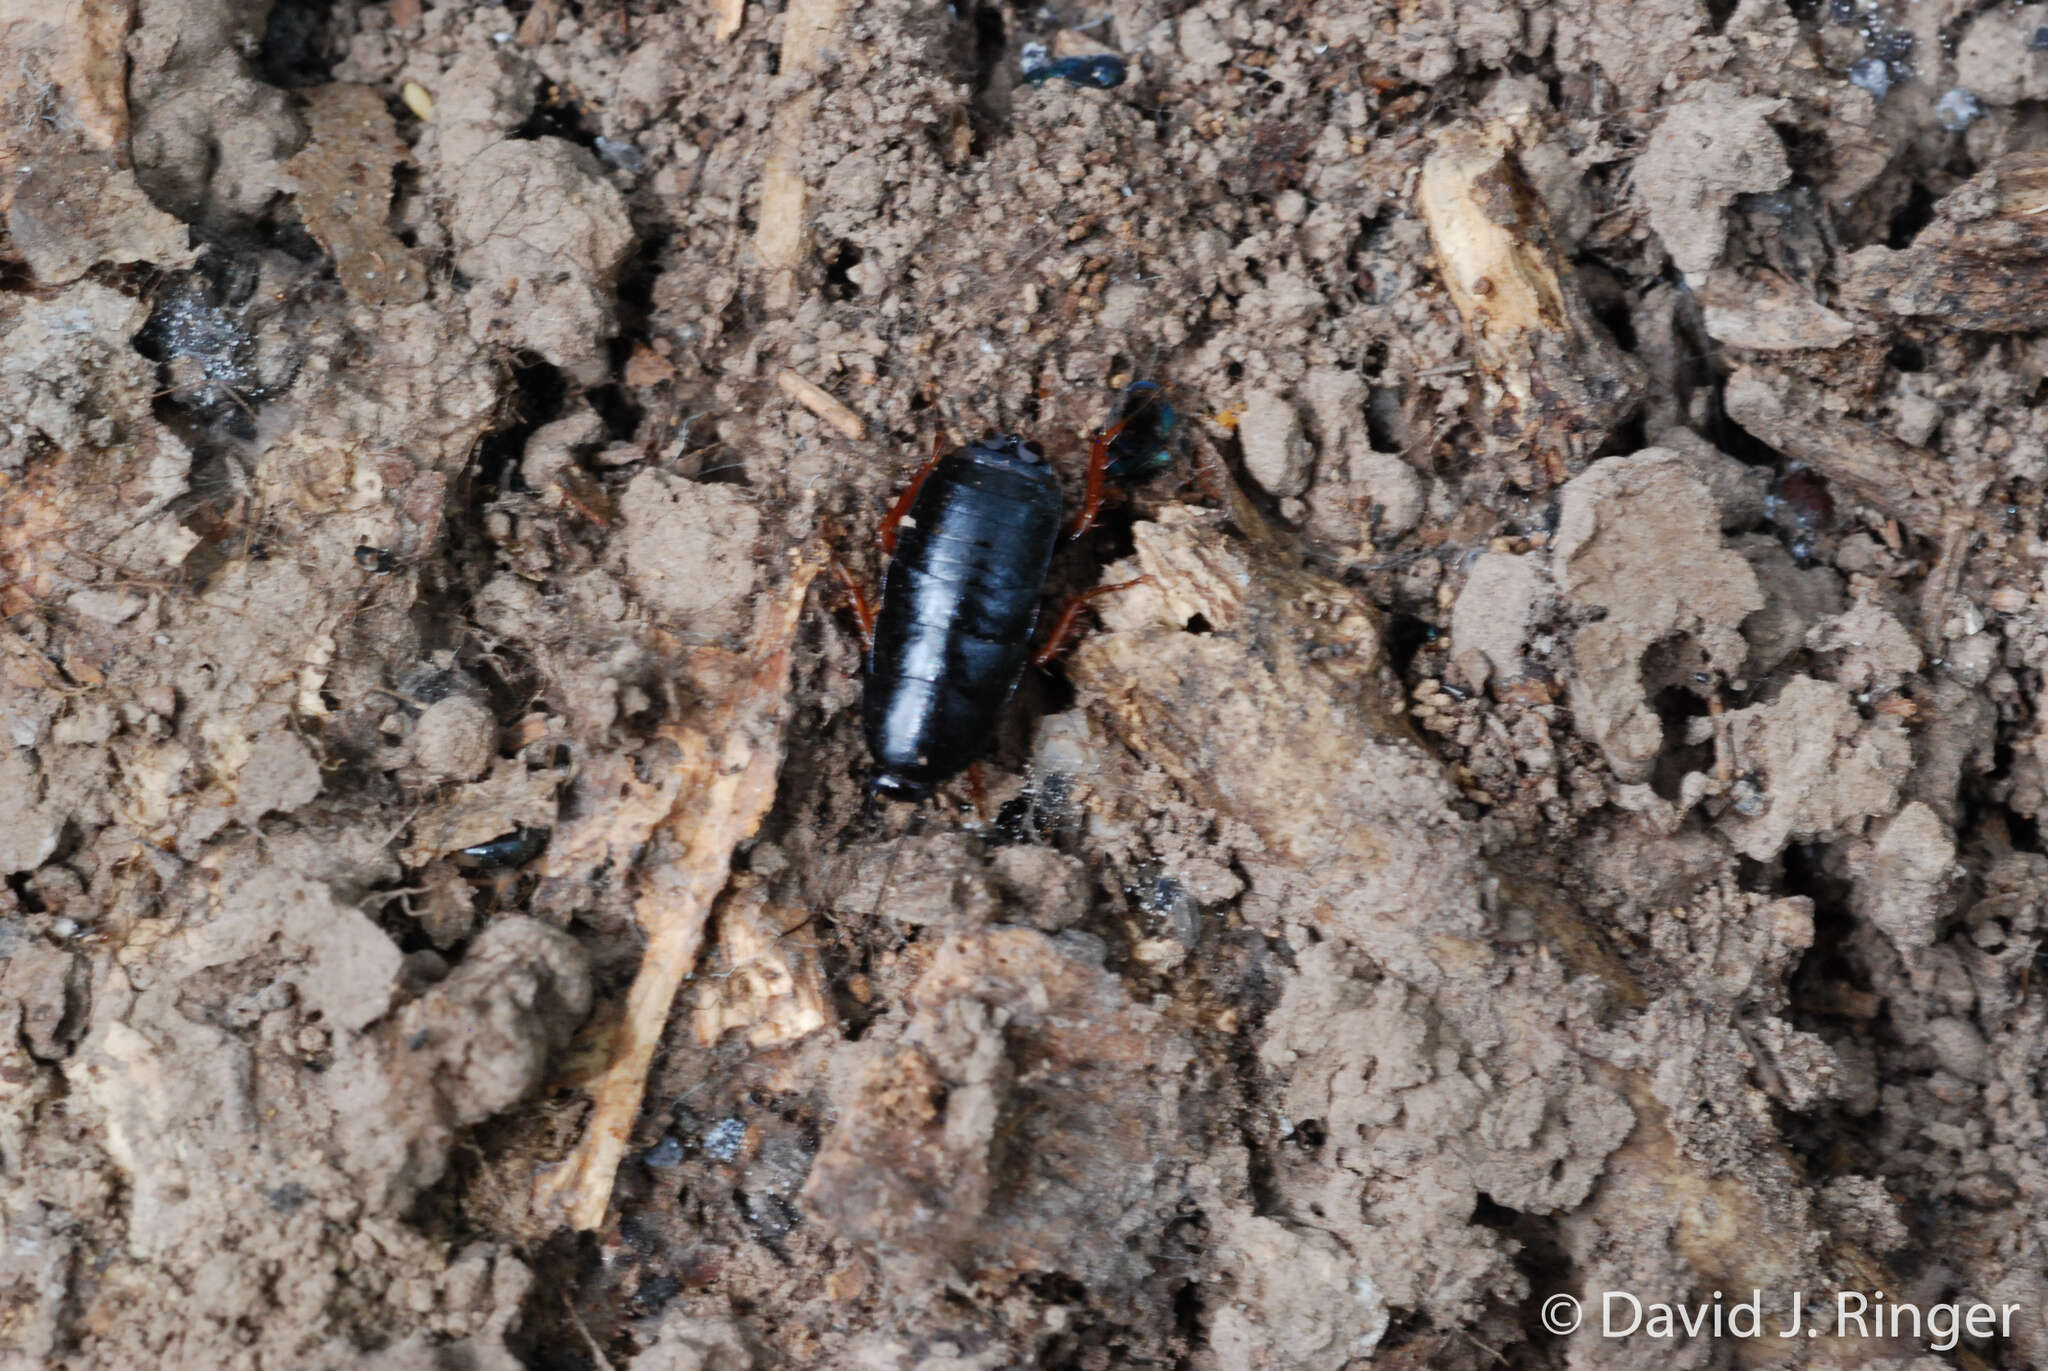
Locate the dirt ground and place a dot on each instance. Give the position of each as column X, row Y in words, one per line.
column 1563, row 814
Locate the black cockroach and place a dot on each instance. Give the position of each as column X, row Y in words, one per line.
column 969, row 544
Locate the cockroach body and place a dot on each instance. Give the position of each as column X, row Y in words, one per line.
column 959, row 602
column 970, row 543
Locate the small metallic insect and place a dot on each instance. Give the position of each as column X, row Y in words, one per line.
column 1104, row 71
column 1144, row 427
column 1801, row 504
column 969, row 542
column 505, row 851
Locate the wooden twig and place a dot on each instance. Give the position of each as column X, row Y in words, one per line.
column 822, row 403
column 730, row 755
column 779, row 237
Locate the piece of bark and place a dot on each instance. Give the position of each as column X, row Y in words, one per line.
column 1983, row 262
column 1762, row 311
column 1553, row 383
column 342, row 182
column 729, row 755
column 1284, row 717
column 1795, row 417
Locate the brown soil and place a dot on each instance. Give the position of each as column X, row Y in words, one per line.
column 1562, row 816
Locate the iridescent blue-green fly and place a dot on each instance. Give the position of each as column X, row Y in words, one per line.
column 1144, row 430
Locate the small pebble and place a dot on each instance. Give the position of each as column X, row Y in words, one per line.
column 454, row 740
column 1958, row 109
column 1873, row 75
column 723, row 1140
column 664, row 1154
column 621, row 154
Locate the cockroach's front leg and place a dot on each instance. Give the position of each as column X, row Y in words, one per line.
column 886, row 536
column 1098, row 479
column 856, row 600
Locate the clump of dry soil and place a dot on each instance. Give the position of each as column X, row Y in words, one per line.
column 1562, row 815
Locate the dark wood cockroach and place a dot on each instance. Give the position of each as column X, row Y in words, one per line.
column 969, row 544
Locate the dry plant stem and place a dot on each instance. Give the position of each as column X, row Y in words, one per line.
column 730, row 756
column 779, row 239
column 1551, row 380
column 1944, row 578
column 1301, row 647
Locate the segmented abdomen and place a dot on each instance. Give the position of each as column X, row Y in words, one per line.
column 958, row 604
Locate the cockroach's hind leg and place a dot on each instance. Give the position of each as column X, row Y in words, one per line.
column 977, row 791
column 1066, row 627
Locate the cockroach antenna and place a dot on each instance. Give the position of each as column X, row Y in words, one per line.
column 913, row 830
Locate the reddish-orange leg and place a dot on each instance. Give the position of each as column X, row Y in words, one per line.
column 857, row 601
column 1065, row 626
column 856, row 597
column 1098, row 474
column 897, row 511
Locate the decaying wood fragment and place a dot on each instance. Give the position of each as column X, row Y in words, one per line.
column 729, row 754
column 822, row 403
column 763, row 976
column 1793, row 416
column 1552, row 382
column 1982, row 264
column 779, row 236
column 731, row 14
column 1284, row 718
